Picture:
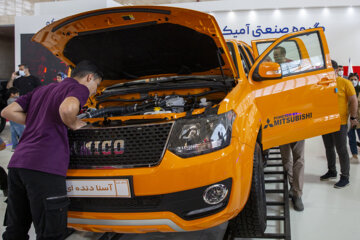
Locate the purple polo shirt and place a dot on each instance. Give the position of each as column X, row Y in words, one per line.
column 44, row 145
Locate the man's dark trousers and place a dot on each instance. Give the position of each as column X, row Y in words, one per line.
column 337, row 140
column 36, row 197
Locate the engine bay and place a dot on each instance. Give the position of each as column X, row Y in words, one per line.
column 176, row 94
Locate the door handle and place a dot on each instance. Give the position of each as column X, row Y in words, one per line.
column 325, row 81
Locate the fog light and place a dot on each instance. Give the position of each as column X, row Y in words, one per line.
column 215, row 194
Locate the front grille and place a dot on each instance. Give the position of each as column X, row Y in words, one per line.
column 122, row 147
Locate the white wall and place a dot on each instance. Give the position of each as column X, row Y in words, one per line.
column 71, row 7
column 226, row 5
column 341, row 22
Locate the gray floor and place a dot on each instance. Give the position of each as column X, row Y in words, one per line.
column 329, row 214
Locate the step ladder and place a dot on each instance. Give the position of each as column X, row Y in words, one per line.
column 275, row 174
column 276, row 186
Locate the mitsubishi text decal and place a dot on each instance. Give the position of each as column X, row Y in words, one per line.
column 286, row 119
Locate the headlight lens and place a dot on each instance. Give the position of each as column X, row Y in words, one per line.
column 195, row 136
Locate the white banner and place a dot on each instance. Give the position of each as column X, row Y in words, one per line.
column 341, row 27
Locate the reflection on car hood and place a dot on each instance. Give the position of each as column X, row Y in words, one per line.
column 137, row 42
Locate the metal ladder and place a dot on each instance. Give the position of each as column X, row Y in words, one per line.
column 278, row 177
column 274, row 174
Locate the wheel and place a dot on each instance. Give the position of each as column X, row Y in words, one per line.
column 2, row 124
column 251, row 221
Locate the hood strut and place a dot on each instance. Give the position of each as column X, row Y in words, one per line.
column 221, row 68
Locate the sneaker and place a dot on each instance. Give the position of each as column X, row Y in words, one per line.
column 328, row 175
column 354, row 159
column 13, row 150
column 298, row 204
column 343, row 182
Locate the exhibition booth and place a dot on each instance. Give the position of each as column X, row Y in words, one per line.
column 182, row 136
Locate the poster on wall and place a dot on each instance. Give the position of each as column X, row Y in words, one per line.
column 42, row 63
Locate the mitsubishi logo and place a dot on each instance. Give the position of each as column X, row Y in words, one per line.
column 268, row 124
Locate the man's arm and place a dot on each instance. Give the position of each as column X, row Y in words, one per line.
column 15, row 113
column 353, row 107
column 68, row 110
column 11, row 81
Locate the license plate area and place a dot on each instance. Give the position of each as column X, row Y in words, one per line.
column 97, row 187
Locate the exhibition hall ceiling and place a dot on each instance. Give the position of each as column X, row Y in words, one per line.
column 11, row 8
column 26, row 7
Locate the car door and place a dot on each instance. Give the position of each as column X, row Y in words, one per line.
column 246, row 50
column 297, row 94
column 260, row 45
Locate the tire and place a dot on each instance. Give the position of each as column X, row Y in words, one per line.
column 251, row 221
column 2, row 124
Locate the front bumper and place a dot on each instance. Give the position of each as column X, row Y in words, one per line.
column 165, row 195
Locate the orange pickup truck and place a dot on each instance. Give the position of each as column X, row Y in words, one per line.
column 177, row 128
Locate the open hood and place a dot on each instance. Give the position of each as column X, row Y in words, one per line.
column 142, row 41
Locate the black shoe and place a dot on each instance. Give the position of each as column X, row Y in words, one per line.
column 328, row 175
column 5, row 192
column 298, row 204
column 343, row 182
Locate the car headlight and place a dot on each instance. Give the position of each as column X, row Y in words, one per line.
column 200, row 135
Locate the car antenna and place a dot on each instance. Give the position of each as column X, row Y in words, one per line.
column 221, row 69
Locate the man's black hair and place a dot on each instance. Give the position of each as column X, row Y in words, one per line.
column 282, row 50
column 84, row 68
column 25, row 66
column 352, row 75
column 334, row 64
column 13, row 90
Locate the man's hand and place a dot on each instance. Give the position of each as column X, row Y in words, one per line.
column 11, row 81
column 68, row 111
column 354, row 123
column 13, row 76
column 353, row 107
column 80, row 124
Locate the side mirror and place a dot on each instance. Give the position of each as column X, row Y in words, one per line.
column 268, row 70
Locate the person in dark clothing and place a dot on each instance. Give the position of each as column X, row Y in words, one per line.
column 16, row 129
column 354, row 78
column 23, row 80
column 348, row 105
column 37, row 170
column 3, row 175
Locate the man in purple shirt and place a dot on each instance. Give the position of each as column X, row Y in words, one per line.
column 37, row 170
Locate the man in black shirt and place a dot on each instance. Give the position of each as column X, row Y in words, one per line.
column 23, row 80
